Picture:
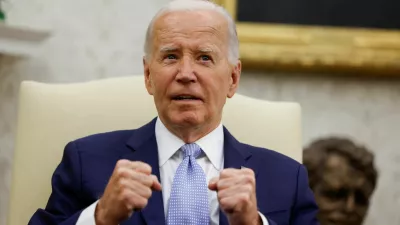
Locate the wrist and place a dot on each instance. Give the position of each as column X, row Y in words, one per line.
column 259, row 221
column 249, row 218
column 100, row 216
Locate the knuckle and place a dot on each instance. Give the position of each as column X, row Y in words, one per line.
column 140, row 164
column 122, row 172
column 248, row 179
column 222, row 202
column 248, row 188
column 145, row 167
column 122, row 163
column 121, row 184
column 244, row 198
column 124, row 195
column 224, row 173
column 141, row 178
column 141, row 202
column 249, row 171
column 148, row 192
column 219, row 195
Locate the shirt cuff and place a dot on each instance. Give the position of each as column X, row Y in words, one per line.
column 87, row 215
column 263, row 219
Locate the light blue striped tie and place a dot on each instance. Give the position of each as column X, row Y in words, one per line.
column 188, row 203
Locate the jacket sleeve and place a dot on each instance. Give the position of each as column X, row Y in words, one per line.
column 65, row 203
column 305, row 208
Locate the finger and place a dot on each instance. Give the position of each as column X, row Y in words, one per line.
column 229, row 182
column 136, row 187
column 142, row 178
column 133, row 200
column 234, row 203
column 241, row 178
column 227, row 204
column 156, row 184
column 248, row 171
column 134, row 175
column 230, row 172
column 212, row 185
column 141, row 167
column 236, row 190
column 122, row 163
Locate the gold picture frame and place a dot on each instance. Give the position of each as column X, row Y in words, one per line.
column 317, row 48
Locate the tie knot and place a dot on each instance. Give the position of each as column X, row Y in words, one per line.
column 191, row 150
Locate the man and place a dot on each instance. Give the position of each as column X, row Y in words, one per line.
column 343, row 177
column 183, row 167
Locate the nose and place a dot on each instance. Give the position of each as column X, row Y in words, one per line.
column 350, row 203
column 186, row 72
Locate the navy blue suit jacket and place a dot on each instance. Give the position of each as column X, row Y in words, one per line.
column 283, row 194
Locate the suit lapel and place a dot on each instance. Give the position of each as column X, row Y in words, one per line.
column 235, row 156
column 143, row 146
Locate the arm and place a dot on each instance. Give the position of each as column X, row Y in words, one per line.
column 305, row 208
column 65, row 203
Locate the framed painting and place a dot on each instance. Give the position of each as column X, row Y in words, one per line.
column 361, row 36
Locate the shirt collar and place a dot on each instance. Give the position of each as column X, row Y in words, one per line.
column 212, row 144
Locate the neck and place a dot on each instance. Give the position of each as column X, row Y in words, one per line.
column 189, row 133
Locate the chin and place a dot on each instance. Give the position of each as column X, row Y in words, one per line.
column 186, row 119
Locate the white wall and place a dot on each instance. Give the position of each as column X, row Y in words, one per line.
column 364, row 109
column 95, row 39
column 91, row 39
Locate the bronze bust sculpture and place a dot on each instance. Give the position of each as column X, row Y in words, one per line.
column 343, row 178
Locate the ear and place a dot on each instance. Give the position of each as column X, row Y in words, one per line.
column 147, row 76
column 234, row 79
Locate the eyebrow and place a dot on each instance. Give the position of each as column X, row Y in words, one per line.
column 166, row 49
column 205, row 50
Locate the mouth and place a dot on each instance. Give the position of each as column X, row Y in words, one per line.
column 186, row 98
column 344, row 220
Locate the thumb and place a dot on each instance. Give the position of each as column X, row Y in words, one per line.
column 156, row 184
column 212, row 185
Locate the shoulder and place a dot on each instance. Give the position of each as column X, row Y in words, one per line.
column 271, row 155
column 268, row 159
column 103, row 142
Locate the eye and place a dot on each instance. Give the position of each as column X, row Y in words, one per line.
column 170, row 57
column 205, row 58
column 336, row 194
column 361, row 198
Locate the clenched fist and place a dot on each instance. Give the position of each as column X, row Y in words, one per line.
column 237, row 195
column 128, row 189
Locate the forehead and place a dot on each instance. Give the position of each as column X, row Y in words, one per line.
column 191, row 27
column 339, row 172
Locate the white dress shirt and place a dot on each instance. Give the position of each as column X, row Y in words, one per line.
column 169, row 158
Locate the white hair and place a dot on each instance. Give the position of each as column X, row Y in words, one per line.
column 193, row 5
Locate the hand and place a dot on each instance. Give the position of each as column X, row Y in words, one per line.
column 128, row 189
column 237, row 195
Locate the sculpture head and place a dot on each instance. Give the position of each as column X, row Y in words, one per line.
column 343, row 178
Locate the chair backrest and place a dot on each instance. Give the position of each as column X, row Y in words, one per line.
column 50, row 115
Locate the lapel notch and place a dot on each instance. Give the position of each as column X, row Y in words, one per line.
column 143, row 146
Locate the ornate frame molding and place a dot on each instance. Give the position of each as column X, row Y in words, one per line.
column 317, row 48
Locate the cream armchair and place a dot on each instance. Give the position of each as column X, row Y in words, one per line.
column 50, row 115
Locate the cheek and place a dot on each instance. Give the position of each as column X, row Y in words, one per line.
column 326, row 203
column 362, row 209
column 219, row 86
column 162, row 79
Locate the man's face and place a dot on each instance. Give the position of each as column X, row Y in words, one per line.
column 188, row 72
column 343, row 193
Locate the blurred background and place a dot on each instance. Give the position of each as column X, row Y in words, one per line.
column 95, row 39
